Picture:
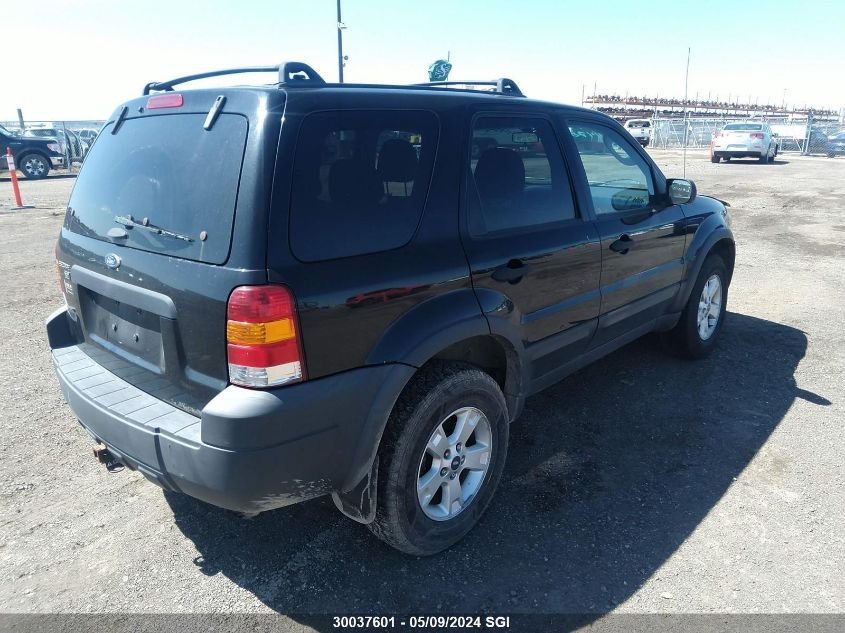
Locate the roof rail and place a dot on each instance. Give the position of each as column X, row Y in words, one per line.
column 288, row 72
column 503, row 85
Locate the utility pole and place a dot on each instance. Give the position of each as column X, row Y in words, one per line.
column 340, row 27
column 686, row 120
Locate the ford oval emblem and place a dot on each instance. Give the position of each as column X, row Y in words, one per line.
column 112, row 261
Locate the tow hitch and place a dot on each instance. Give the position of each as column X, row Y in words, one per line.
column 105, row 457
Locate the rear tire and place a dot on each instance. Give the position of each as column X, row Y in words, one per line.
column 34, row 166
column 695, row 337
column 764, row 158
column 715, row 159
column 440, row 401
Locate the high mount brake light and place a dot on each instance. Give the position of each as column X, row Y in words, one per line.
column 169, row 100
column 262, row 338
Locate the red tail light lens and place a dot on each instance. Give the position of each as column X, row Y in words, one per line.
column 262, row 339
column 63, row 273
column 169, row 100
column 757, row 135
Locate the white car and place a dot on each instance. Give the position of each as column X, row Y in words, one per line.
column 745, row 140
column 640, row 129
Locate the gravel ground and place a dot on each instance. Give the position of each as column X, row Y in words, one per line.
column 640, row 484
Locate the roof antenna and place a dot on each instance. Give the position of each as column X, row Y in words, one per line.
column 686, row 122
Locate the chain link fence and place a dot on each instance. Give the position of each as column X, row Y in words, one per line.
column 693, row 123
column 74, row 137
column 805, row 137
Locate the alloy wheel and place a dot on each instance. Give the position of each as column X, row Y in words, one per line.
column 34, row 166
column 454, row 463
column 709, row 307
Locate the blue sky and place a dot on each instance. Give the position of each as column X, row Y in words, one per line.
column 551, row 48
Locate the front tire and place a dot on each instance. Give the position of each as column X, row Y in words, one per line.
column 441, row 458
column 701, row 322
column 34, row 166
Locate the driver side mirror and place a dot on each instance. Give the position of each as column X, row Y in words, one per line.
column 681, row 191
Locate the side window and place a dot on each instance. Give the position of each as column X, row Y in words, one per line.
column 619, row 178
column 519, row 175
column 360, row 180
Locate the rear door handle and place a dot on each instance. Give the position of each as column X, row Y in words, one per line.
column 622, row 245
column 512, row 272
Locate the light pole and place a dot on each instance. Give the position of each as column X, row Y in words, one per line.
column 340, row 27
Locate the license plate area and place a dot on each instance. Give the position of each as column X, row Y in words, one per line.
column 124, row 329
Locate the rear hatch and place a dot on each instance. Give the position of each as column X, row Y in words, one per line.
column 167, row 217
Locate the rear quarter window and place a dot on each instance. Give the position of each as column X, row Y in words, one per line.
column 360, row 181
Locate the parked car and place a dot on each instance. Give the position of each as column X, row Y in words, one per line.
column 836, row 145
column 76, row 147
column 34, row 156
column 88, row 135
column 745, row 140
column 640, row 129
column 817, row 142
column 337, row 311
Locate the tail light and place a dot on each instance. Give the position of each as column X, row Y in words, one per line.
column 757, row 135
column 59, row 271
column 262, row 339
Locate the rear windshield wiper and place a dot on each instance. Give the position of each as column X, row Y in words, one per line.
column 128, row 222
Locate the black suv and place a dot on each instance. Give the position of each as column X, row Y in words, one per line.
column 280, row 292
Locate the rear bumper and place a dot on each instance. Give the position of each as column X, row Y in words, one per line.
column 250, row 450
column 738, row 153
column 739, row 150
column 57, row 161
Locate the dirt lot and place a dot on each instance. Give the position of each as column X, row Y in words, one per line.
column 640, row 484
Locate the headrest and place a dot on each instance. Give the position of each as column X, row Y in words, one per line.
column 499, row 175
column 353, row 182
column 397, row 161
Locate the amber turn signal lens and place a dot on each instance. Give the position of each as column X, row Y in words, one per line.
column 241, row 333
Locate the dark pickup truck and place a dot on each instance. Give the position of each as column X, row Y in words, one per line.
column 34, row 156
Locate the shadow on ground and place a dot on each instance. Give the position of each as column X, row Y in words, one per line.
column 753, row 161
column 6, row 178
column 608, row 473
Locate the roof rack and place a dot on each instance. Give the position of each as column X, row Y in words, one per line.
column 503, row 85
column 289, row 73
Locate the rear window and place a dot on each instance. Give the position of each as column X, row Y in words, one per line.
column 360, row 181
column 165, row 182
column 744, row 127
